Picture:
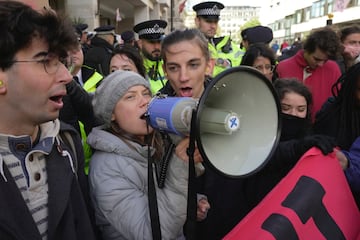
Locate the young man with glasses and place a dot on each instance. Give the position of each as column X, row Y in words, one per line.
column 41, row 164
column 313, row 66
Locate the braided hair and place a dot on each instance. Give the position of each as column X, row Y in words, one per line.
column 347, row 105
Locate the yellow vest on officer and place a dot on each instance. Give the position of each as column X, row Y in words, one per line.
column 90, row 87
column 226, row 54
column 155, row 74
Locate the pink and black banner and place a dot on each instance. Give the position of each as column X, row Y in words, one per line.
column 313, row 201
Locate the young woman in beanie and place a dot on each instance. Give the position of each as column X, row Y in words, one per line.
column 119, row 167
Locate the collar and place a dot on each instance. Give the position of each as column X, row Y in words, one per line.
column 23, row 144
column 300, row 59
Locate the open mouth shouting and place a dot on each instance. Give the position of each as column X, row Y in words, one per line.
column 186, row 92
column 57, row 100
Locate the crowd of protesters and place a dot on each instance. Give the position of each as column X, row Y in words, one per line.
column 79, row 159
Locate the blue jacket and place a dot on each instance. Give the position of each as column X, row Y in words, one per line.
column 353, row 171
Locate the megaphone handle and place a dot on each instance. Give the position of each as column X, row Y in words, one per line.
column 192, row 200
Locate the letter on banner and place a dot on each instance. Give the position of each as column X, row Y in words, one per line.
column 313, row 201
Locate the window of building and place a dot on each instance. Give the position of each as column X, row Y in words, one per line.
column 282, row 24
column 352, row 3
column 318, row 9
column 307, row 14
column 298, row 16
column 330, row 6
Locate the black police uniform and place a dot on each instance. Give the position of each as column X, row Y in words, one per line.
column 257, row 34
column 99, row 56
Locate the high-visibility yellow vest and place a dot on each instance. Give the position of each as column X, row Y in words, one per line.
column 90, row 87
column 226, row 54
column 155, row 74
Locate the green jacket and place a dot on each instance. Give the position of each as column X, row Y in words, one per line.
column 226, row 54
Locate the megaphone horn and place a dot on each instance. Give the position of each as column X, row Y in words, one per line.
column 237, row 120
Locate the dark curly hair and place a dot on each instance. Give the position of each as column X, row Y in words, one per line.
column 324, row 39
column 20, row 24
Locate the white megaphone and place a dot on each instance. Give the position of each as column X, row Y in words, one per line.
column 237, row 120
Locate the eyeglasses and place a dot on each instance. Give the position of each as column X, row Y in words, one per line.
column 51, row 63
column 265, row 68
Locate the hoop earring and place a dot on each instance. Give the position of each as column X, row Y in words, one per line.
column 1, row 83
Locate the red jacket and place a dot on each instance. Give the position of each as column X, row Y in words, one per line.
column 319, row 82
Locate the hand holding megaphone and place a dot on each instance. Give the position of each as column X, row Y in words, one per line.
column 181, row 151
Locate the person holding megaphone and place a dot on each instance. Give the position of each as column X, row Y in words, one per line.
column 188, row 65
column 128, row 203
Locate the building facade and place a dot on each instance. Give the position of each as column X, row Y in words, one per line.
column 123, row 14
column 290, row 20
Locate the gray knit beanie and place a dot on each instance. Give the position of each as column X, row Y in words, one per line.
column 111, row 89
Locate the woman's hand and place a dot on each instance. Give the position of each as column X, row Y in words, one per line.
column 202, row 209
column 344, row 162
column 181, row 151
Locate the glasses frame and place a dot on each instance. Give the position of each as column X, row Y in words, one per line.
column 46, row 61
column 272, row 68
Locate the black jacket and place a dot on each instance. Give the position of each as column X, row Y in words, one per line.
column 68, row 201
column 99, row 56
column 77, row 107
column 226, row 197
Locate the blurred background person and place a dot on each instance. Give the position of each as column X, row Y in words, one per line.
column 98, row 56
column 81, row 31
column 128, row 38
column 291, row 50
column 313, row 67
column 257, row 34
column 296, row 139
column 127, row 58
column 85, row 76
column 275, row 47
column 261, row 57
column 350, row 41
column 339, row 117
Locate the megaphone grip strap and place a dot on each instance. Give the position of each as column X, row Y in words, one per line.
column 164, row 165
column 190, row 225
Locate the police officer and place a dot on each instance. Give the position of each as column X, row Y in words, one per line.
column 257, row 34
column 128, row 38
column 150, row 35
column 225, row 53
column 98, row 57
